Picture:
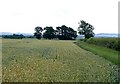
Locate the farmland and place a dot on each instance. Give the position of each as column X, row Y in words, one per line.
column 29, row 60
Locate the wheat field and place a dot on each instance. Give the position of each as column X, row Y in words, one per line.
column 32, row 60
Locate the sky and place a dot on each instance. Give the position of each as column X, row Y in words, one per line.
column 24, row 15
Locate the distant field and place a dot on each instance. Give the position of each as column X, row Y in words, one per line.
column 31, row 60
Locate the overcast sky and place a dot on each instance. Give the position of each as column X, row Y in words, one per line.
column 24, row 15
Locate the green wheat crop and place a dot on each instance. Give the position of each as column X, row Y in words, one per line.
column 32, row 60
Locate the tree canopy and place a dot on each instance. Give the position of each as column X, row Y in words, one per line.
column 14, row 36
column 49, row 33
column 86, row 29
column 62, row 33
column 66, row 33
column 38, row 32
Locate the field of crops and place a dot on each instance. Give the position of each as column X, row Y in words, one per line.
column 113, row 43
column 31, row 60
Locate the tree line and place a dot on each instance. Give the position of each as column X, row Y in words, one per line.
column 14, row 36
column 64, row 33
column 61, row 32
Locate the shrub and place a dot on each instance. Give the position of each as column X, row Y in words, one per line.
column 113, row 43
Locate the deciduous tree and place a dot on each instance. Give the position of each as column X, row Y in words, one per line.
column 49, row 33
column 38, row 32
column 86, row 29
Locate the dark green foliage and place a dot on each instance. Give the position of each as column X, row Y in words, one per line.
column 14, row 36
column 86, row 29
column 38, row 32
column 37, row 35
column 66, row 33
column 113, row 43
column 62, row 33
column 29, row 36
column 49, row 33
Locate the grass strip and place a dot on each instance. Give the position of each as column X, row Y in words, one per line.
column 107, row 53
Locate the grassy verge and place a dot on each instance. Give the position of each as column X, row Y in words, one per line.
column 107, row 53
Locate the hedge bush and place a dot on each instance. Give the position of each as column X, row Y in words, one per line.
column 113, row 43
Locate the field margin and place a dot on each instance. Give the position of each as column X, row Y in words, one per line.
column 107, row 53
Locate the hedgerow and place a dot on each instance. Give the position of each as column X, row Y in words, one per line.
column 113, row 43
